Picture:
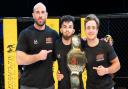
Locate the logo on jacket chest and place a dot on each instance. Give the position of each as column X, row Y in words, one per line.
column 35, row 42
column 100, row 57
column 48, row 40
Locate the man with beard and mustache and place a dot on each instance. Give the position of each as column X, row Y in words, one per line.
column 34, row 52
column 62, row 47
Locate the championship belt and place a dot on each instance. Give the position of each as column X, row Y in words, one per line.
column 108, row 39
column 76, row 61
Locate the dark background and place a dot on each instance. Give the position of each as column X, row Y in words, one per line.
column 23, row 8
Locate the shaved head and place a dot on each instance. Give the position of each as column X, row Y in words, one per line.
column 38, row 5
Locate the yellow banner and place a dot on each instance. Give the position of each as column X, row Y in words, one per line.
column 10, row 65
column 54, row 24
column 83, row 35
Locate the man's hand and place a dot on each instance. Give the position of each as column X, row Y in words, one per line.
column 42, row 55
column 101, row 71
column 59, row 76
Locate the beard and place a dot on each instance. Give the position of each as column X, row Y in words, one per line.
column 66, row 37
column 40, row 24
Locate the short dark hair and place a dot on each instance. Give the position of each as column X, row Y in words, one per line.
column 67, row 18
column 92, row 17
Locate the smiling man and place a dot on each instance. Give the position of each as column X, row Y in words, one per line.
column 102, row 59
